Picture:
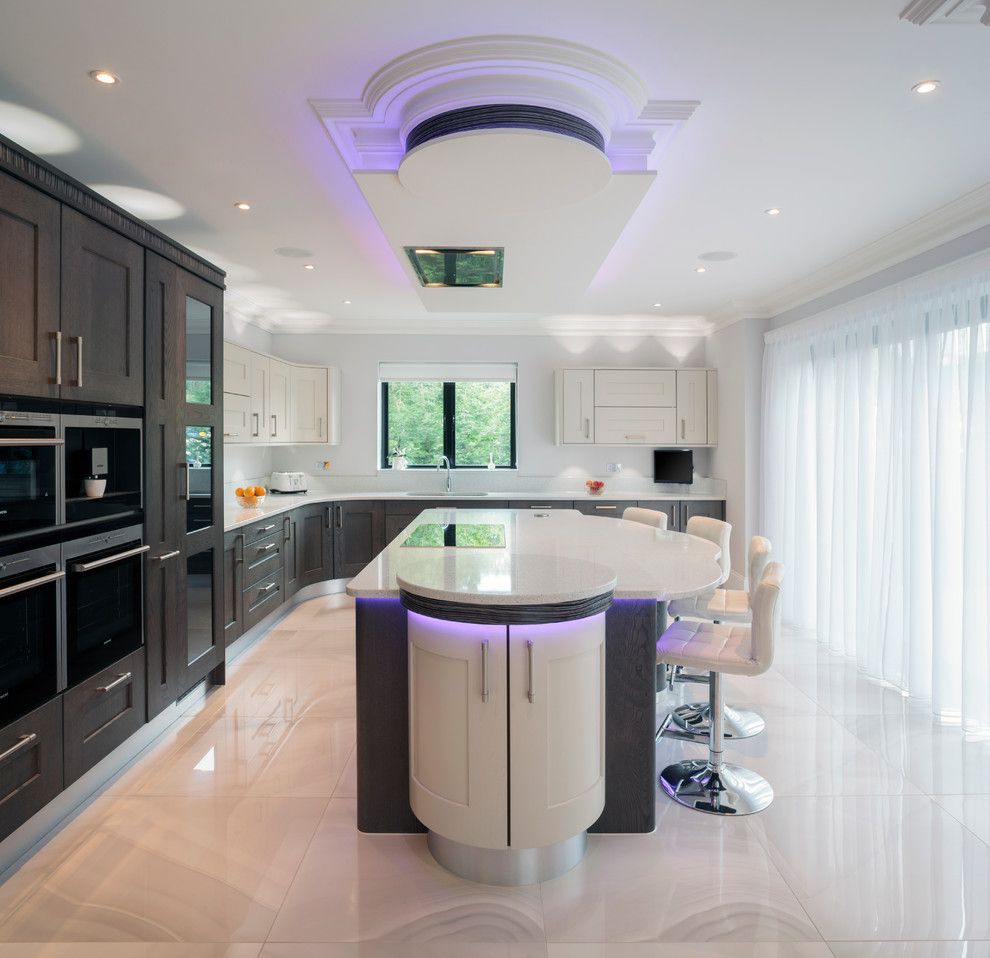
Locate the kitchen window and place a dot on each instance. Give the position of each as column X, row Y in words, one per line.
column 466, row 412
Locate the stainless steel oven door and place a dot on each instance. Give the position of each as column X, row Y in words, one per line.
column 32, row 665
column 30, row 473
column 104, row 605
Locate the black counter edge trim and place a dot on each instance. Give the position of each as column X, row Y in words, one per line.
column 479, row 614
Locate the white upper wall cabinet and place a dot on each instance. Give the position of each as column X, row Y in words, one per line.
column 268, row 401
column 636, row 407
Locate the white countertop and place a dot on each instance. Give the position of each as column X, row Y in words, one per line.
column 235, row 516
column 557, row 556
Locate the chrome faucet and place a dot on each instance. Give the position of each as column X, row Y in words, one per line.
column 444, row 461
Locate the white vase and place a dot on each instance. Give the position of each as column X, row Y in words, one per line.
column 94, row 488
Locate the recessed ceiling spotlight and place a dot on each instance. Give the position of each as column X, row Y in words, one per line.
column 309, row 266
column 105, row 77
column 773, row 211
column 657, row 305
column 347, row 302
column 243, row 206
column 700, row 269
column 926, row 86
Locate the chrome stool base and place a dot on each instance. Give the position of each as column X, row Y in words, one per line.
column 696, row 717
column 727, row 790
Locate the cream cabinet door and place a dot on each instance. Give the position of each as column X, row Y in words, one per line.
column 236, row 418
column 458, row 761
column 635, row 426
column 692, row 406
column 237, row 369
column 259, row 397
column 635, row 387
column 279, row 386
column 578, row 406
column 309, row 410
column 556, row 729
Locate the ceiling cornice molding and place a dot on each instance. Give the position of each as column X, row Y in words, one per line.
column 951, row 12
column 963, row 215
column 370, row 132
column 734, row 312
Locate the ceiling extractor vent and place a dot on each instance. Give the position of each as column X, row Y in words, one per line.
column 504, row 116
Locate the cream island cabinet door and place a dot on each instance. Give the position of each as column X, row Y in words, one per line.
column 556, row 729
column 458, row 772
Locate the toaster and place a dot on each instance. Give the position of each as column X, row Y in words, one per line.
column 287, row 482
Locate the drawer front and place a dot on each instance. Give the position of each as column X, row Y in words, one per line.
column 102, row 712
column 630, row 426
column 669, row 506
column 414, row 506
column 263, row 598
column 263, row 557
column 603, row 507
column 264, row 528
column 30, row 764
column 635, row 387
column 541, row 504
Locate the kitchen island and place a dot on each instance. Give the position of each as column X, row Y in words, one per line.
column 506, row 682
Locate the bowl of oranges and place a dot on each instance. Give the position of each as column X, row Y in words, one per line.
column 250, row 496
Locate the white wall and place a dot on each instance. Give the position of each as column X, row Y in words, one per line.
column 537, row 357
column 246, row 464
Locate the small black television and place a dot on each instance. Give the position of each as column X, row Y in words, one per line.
column 673, row 465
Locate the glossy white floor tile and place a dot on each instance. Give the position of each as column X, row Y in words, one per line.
column 233, row 837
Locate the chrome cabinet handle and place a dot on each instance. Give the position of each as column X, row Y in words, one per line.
column 340, row 516
column 109, row 560
column 58, row 357
column 229, row 435
column 531, row 693
column 606, row 507
column 33, row 583
column 329, row 520
column 268, row 588
column 187, row 495
column 32, row 442
column 268, row 528
column 110, row 686
column 22, row 742
column 484, row 671
column 636, row 436
column 257, row 423
column 79, row 361
column 269, row 547
column 319, row 426
column 683, row 429
column 541, row 507
column 274, row 424
column 587, row 427
column 166, row 556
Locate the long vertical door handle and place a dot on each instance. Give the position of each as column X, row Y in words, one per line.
column 484, row 671
column 340, row 516
column 531, row 693
column 683, row 429
column 257, row 424
column 187, row 495
column 274, row 424
column 58, row 357
column 79, row 361
column 319, row 427
column 587, row 427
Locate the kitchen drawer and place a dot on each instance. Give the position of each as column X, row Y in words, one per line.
column 102, row 712
column 541, row 504
column 635, row 387
column 261, row 529
column 263, row 556
column 603, row 507
column 634, row 426
column 264, row 597
column 413, row 506
column 671, row 507
column 30, row 764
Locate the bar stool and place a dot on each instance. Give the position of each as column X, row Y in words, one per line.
column 647, row 517
column 729, row 605
column 713, row 786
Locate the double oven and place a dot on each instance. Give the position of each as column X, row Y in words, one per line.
column 71, row 547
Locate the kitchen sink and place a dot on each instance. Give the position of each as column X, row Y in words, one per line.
column 447, row 495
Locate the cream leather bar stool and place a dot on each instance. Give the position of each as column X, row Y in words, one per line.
column 647, row 517
column 729, row 605
column 713, row 786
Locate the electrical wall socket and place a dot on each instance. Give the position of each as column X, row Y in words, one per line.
column 322, row 465
column 613, row 467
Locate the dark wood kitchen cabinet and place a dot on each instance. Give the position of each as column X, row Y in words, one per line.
column 314, row 543
column 671, row 507
column 289, row 553
column 358, row 535
column 29, row 289
column 102, row 313
column 184, row 583
column 233, row 586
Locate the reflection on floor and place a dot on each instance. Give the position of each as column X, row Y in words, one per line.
column 236, row 832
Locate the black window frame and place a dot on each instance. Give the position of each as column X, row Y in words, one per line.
column 449, row 412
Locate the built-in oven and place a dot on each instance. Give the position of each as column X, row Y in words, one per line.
column 104, row 600
column 31, row 608
column 30, row 471
column 102, row 467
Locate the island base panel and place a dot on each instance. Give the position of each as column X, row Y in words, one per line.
column 383, row 718
column 508, row 866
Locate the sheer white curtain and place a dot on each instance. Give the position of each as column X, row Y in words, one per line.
column 876, row 480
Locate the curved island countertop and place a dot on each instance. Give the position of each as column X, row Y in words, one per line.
column 559, row 556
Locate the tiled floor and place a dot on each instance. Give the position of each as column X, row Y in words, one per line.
column 234, row 837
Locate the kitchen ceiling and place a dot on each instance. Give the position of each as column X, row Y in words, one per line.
column 804, row 107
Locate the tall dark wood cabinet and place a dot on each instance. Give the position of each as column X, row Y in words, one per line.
column 184, row 622
column 314, row 543
column 29, row 293
column 102, row 313
column 358, row 535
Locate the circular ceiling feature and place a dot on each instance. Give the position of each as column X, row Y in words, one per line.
column 505, row 170
column 717, row 256
column 294, row 252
